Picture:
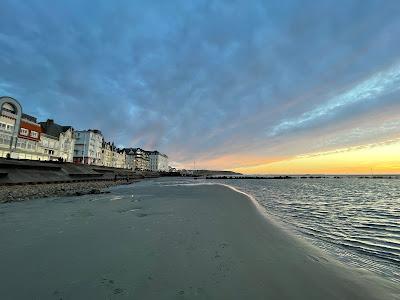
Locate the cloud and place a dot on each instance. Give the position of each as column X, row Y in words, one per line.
column 205, row 80
column 372, row 89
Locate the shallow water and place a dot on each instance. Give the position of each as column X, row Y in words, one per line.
column 356, row 220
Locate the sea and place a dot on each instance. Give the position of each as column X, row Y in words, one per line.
column 357, row 220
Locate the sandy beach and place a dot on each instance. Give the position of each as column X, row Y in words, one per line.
column 150, row 240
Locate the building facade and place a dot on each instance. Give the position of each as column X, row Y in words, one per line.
column 137, row 159
column 22, row 137
column 113, row 157
column 28, row 141
column 120, row 159
column 108, row 154
column 67, row 145
column 49, row 147
column 158, row 162
column 58, row 141
column 130, row 159
column 10, row 118
column 88, row 147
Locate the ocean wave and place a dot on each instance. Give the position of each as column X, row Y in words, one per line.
column 352, row 218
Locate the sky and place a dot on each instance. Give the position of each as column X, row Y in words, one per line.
column 253, row 86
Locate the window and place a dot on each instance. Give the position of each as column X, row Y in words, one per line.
column 5, row 139
column 34, row 134
column 24, row 131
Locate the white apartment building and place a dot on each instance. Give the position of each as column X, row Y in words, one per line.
column 158, row 161
column 137, row 159
column 57, row 142
column 49, row 147
column 10, row 118
column 88, row 147
column 67, row 145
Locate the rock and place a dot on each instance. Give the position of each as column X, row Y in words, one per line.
column 94, row 191
column 25, row 192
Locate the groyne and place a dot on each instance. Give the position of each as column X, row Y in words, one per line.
column 305, row 177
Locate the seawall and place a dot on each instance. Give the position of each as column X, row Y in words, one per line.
column 21, row 180
column 20, row 172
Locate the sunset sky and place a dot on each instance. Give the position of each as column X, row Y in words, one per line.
column 253, row 86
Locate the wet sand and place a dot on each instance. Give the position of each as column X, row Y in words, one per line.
column 149, row 241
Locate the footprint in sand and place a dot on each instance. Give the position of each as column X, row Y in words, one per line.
column 223, row 245
column 109, row 284
column 129, row 209
column 141, row 215
column 118, row 291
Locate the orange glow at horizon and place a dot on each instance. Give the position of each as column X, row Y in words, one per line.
column 376, row 159
column 229, row 160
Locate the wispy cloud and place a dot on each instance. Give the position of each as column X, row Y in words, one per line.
column 372, row 89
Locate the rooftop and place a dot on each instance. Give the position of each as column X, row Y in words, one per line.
column 29, row 118
column 53, row 129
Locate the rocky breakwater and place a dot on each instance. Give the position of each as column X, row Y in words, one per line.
column 31, row 191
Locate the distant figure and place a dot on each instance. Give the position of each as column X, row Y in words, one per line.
column 8, row 156
column 115, row 177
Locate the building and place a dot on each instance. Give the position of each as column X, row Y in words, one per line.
column 137, row 159
column 88, row 147
column 120, row 159
column 28, row 141
column 158, row 161
column 48, row 147
column 91, row 148
column 10, row 118
column 130, row 159
column 58, row 141
column 112, row 156
column 22, row 137
column 108, row 154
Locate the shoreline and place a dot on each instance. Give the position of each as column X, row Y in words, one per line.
column 155, row 241
column 383, row 263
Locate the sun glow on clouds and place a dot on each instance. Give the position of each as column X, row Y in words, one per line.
column 372, row 89
column 381, row 158
column 253, row 87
